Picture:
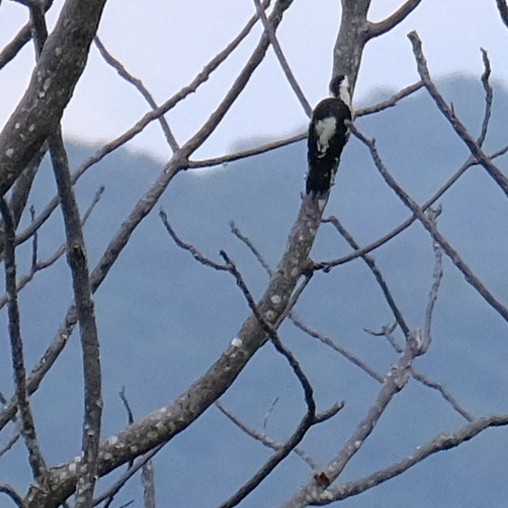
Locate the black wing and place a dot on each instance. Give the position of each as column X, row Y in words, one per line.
column 323, row 159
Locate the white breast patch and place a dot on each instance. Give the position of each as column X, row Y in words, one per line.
column 325, row 130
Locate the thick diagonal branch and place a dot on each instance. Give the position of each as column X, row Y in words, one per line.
column 60, row 65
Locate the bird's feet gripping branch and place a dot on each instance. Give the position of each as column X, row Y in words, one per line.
column 328, row 133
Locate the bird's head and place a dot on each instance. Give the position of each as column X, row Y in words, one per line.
column 339, row 88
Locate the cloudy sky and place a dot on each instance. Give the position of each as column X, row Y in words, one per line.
column 167, row 42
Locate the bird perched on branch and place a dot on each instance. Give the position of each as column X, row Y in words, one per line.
column 328, row 133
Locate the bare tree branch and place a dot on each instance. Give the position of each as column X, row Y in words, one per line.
column 351, row 39
column 471, row 161
column 28, row 431
column 143, row 207
column 38, row 265
column 178, row 162
column 241, row 81
column 15, row 497
column 270, row 465
column 376, row 108
column 377, row 274
column 148, row 482
column 337, row 347
column 391, row 101
column 249, row 152
column 24, row 35
column 488, row 97
column 394, row 382
column 282, row 59
column 127, row 475
column 246, row 241
column 12, row 440
column 444, row 393
column 262, row 437
column 287, row 282
column 503, row 10
column 457, row 125
column 197, row 399
column 297, row 321
column 381, row 27
column 189, row 247
column 470, row 277
column 437, row 277
column 439, row 443
column 125, row 74
column 307, row 421
column 77, row 259
column 50, row 88
column 76, row 256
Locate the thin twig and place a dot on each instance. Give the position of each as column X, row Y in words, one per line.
column 35, row 242
column 124, row 477
column 138, row 84
column 269, row 412
column 391, row 101
column 282, row 59
column 130, row 418
column 123, row 396
column 200, row 258
column 387, row 332
column 489, row 94
column 249, row 152
column 351, row 357
column 423, row 379
column 437, row 277
column 376, row 272
column 16, row 434
column 246, row 241
column 262, row 437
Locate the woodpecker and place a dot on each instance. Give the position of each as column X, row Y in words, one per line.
column 328, row 133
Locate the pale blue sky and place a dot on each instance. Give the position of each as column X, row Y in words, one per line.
column 166, row 42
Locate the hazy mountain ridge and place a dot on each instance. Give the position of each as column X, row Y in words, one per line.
column 163, row 319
